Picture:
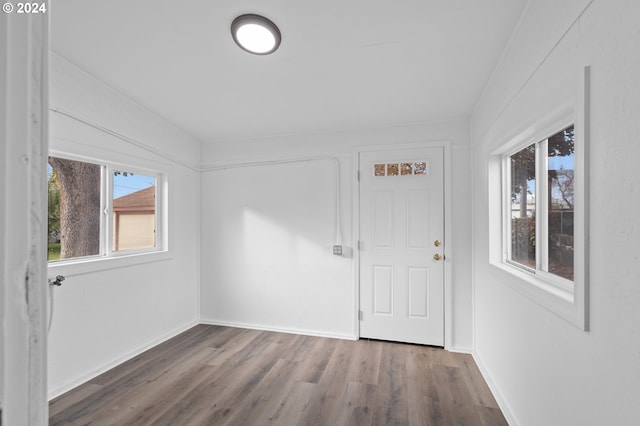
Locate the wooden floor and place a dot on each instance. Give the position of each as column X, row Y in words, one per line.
column 212, row 375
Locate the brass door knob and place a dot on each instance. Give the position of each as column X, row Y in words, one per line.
column 437, row 256
column 437, row 243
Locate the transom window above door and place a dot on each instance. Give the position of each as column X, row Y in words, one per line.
column 401, row 169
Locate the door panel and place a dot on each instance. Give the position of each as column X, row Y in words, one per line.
column 383, row 220
column 401, row 215
column 383, row 290
column 419, row 292
column 417, row 226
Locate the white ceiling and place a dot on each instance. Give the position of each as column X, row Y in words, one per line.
column 342, row 64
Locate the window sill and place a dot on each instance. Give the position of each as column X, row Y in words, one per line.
column 564, row 303
column 536, row 281
column 96, row 264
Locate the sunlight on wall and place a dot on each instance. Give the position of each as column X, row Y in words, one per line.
column 274, row 251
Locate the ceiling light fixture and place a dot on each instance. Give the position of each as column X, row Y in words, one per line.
column 255, row 34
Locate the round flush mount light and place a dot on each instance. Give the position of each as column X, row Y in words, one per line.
column 255, row 34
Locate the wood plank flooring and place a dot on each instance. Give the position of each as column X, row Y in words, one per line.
column 211, row 375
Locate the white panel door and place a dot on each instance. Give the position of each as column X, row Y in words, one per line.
column 401, row 245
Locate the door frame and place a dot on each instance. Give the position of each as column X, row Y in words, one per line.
column 448, row 290
column 24, row 120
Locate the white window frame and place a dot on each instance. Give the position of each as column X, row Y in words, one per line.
column 563, row 285
column 107, row 258
column 558, row 295
column 108, row 215
column 507, row 207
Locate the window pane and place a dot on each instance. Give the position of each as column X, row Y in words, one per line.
column 560, row 163
column 74, row 209
column 134, row 211
column 420, row 168
column 523, row 207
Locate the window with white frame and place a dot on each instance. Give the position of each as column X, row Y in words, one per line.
column 538, row 214
column 538, row 206
column 540, row 202
column 97, row 209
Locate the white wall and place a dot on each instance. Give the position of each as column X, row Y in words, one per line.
column 544, row 370
column 102, row 318
column 267, row 231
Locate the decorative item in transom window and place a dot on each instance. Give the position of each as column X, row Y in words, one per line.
column 392, row 169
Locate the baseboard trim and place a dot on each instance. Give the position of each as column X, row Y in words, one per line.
column 54, row 393
column 502, row 402
column 303, row 332
column 456, row 350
